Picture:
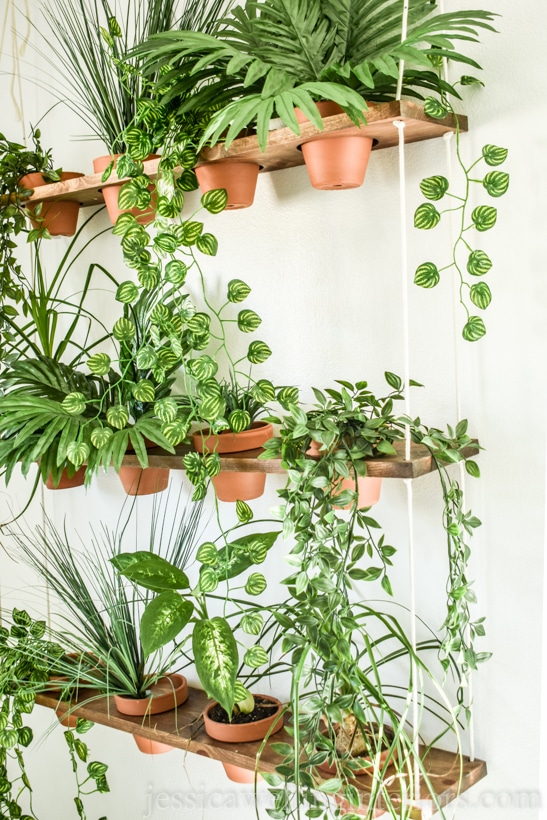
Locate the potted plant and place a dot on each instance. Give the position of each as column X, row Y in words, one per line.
column 254, row 67
column 104, row 612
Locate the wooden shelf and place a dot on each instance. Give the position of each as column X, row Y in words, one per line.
column 420, row 462
column 183, row 729
column 282, row 150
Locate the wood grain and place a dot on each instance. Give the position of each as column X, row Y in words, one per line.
column 448, row 773
column 282, row 150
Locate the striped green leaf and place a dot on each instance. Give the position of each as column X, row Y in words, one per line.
column 216, row 659
column 215, row 201
column 149, row 277
column 175, row 431
column 207, row 244
column 123, row 330
column 434, row 187
column 237, row 291
column 163, row 619
column 478, row 263
column 166, row 409
column 255, row 656
column 484, row 217
column 175, row 272
column 146, row 357
column 287, row 396
column 192, row 230
column 263, row 391
column 77, row 452
column 117, row 416
column 496, row 183
column 427, row 275
column 199, row 323
column 473, row 329
column 100, row 436
column 243, row 512
column 144, row 390
column 248, row 321
column 256, row 584
column 127, row 292
column 208, row 579
column 252, row 623
column 202, row 368
column 99, row 364
column 426, row 217
column 434, row 108
column 212, row 407
column 494, row 155
column 239, row 420
column 74, row 403
column 207, row 554
column 258, row 352
column 166, row 242
column 481, row 295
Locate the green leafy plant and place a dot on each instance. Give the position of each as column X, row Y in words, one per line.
column 89, row 40
column 468, row 263
column 271, row 56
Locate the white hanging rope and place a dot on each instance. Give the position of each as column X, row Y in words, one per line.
column 404, row 30
column 448, row 137
column 400, row 125
column 19, row 43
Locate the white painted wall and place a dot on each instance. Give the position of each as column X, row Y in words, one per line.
column 325, row 273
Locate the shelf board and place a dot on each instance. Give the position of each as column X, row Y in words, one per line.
column 420, row 462
column 282, row 150
column 183, row 729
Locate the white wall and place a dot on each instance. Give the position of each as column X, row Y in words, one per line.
column 325, row 273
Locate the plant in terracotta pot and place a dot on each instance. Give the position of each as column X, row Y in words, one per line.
column 103, row 622
column 255, row 67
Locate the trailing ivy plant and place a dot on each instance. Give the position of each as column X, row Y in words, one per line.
column 469, row 263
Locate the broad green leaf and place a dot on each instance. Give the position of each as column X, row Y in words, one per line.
column 473, row 329
column 434, row 108
column 175, row 431
column 434, row 187
column 74, row 403
column 208, row 554
column 258, row 352
column 481, row 295
column 215, row 201
column 163, row 619
column 166, row 409
column 427, row 275
column 248, row 321
column 484, row 217
column 252, row 623
column 255, row 656
column 100, row 436
column 473, row 469
column 127, row 292
column 99, row 364
column 123, row 330
column 211, row 408
column 150, row 571
column 241, row 554
column 287, row 396
column 331, row 786
column 144, row 391
column 202, row 368
column 426, row 217
column 263, row 391
column 237, row 290
column 478, row 263
column 199, row 322
column 256, row 584
column 216, row 659
column 146, row 357
column 496, row 183
column 494, row 155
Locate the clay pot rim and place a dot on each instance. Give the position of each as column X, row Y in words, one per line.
column 65, row 175
column 143, row 707
column 235, row 729
column 204, row 440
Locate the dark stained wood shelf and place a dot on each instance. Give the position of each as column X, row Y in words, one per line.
column 420, row 462
column 282, row 150
column 448, row 773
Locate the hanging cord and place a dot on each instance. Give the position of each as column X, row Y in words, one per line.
column 415, row 693
column 19, row 44
column 448, row 137
column 404, row 30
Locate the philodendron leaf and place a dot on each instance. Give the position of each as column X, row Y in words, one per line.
column 150, row 571
column 494, row 155
column 496, row 183
column 434, row 187
column 481, row 295
column 478, row 263
column 163, row 619
column 427, row 275
column 473, row 329
column 426, row 217
column 237, row 290
column 484, row 217
column 216, row 658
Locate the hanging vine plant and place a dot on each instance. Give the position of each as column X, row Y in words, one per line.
column 469, row 263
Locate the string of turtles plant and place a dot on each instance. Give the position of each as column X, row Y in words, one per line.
column 468, row 263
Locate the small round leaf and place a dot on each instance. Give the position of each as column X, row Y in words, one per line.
column 494, row 155
column 99, row 364
column 473, row 329
column 481, row 295
column 237, row 291
column 258, row 352
column 434, row 187
column 74, row 403
column 484, row 217
column 427, row 275
column 426, row 217
column 127, row 292
column 215, row 201
column 248, row 320
column 496, row 183
column 478, row 263
column 256, row 584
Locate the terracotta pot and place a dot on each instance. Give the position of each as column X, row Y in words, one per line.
column 152, row 747
column 59, row 216
column 335, row 161
column 244, row 732
column 229, row 485
column 65, row 719
column 138, row 481
column 237, row 774
column 66, row 483
column 169, row 692
column 111, row 191
column 368, row 487
column 237, row 178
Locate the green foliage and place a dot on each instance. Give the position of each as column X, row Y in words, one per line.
column 464, row 259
